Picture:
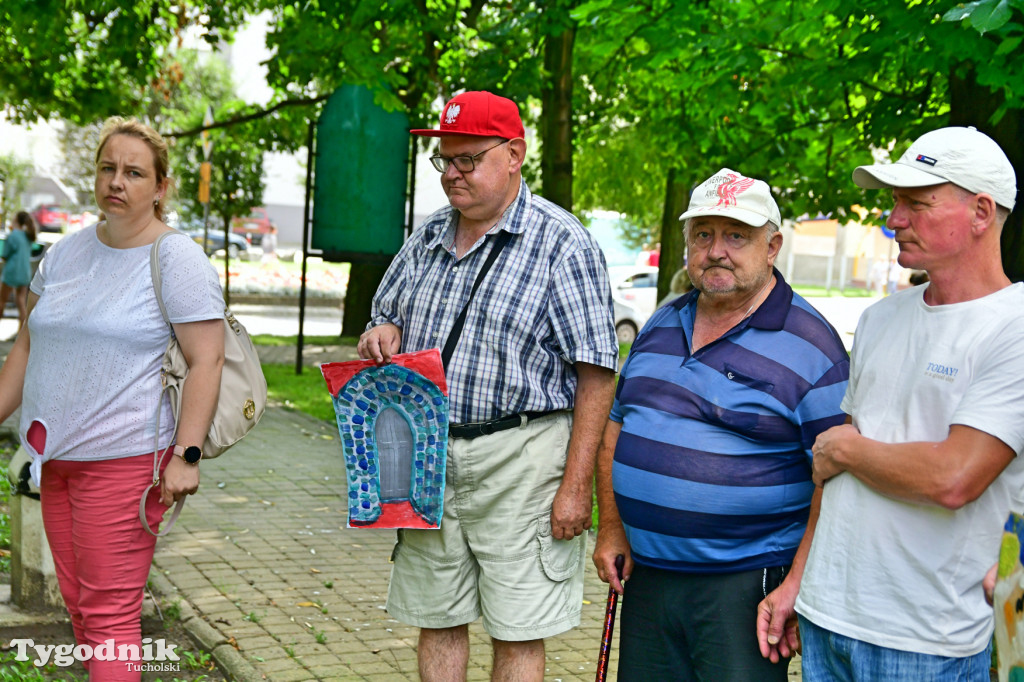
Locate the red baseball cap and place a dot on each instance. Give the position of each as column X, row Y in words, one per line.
column 481, row 114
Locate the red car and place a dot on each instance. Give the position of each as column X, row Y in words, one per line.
column 50, row 218
column 253, row 226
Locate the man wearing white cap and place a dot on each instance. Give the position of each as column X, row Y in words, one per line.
column 919, row 481
column 704, row 477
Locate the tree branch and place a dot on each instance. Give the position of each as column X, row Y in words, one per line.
column 245, row 118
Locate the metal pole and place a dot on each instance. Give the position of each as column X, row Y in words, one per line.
column 310, row 154
column 227, row 270
column 412, row 186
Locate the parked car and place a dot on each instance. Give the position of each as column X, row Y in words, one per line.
column 215, row 242
column 253, row 226
column 635, row 295
column 50, row 217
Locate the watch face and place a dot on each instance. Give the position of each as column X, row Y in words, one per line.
column 192, row 454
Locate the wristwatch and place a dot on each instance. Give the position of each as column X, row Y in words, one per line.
column 191, row 454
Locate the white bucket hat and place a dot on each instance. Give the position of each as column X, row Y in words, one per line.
column 732, row 195
column 963, row 156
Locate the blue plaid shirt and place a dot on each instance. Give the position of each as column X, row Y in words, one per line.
column 545, row 304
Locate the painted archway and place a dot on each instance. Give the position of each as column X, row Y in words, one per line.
column 368, row 392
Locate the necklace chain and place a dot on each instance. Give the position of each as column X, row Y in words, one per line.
column 757, row 298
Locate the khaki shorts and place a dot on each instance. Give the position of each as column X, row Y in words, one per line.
column 494, row 555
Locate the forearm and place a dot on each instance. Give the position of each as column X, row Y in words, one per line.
column 796, row 569
column 594, row 392
column 949, row 473
column 607, row 510
column 12, row 375
column 199, row 395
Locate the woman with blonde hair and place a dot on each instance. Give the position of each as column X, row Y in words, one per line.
column 86, row 373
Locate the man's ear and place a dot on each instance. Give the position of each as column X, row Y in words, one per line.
column 774, row 246
column 517, row 151
column 984, row 207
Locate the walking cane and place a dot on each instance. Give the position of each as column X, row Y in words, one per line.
column 609, row 624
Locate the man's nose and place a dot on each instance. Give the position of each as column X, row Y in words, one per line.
column 897, row 219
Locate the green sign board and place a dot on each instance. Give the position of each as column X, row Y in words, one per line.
column 361, row 171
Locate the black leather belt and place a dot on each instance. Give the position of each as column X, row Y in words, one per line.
column 512, row 421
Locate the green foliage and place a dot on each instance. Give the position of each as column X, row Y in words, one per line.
column 14, row 176
column 305, row 392
column 85, row 61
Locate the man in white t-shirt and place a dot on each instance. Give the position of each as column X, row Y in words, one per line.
column 919, row 481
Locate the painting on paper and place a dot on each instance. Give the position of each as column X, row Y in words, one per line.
column 1009, row 602
column 393, row 423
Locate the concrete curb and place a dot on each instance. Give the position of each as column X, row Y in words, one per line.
column 231, row 663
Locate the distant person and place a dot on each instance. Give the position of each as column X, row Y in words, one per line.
column 85, row 371
column 704, row 475
column 644, row 257
column 654, row 257
column 918, row 277
column 17, row 256
column 269, row 244
column 679, row 285
column 531, row 379
column 920, row 480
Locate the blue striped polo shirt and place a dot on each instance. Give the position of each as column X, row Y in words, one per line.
column 712, row 469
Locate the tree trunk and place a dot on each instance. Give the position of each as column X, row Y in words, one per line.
column 556, row 121
column 363, row 280
column 973, row 105
column 673, row 246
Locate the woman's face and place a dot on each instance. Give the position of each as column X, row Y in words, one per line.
column 126, row 179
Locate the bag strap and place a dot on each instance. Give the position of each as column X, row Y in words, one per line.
column 158, row 456
column 453, row 336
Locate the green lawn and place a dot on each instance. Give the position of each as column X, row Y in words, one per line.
column 812, row 291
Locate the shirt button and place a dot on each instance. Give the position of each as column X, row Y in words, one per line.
column 730, row 375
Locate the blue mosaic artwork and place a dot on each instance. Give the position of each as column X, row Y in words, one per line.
column 423, row 406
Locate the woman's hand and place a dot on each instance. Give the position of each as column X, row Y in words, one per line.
column 179, row 479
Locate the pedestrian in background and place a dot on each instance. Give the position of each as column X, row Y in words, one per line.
column 86, row 372
column 17, row 256
column 530, row 379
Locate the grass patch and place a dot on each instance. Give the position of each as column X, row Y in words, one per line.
column 305, row 392
column 6, row 452
column 814, row 291
column 270, row 340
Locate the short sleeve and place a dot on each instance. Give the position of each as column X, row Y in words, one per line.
column 190, row 286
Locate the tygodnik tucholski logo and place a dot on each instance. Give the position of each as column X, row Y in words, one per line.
column 153, row 655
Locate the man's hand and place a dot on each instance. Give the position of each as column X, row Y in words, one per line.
column 571, row 511
column 989, row 583
column 380, row 343
column 828, row 450
column 179, row 479
column 777, row 633
column 611, row 542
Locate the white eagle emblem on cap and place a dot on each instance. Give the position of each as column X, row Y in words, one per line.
column 452, row 114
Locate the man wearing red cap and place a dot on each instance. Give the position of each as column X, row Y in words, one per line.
column 919, row 481
column 516, row 292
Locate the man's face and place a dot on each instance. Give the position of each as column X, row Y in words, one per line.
column 931, row 225
column 727, row 258
column 480, row 193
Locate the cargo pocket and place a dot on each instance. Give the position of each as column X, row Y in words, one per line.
column 559, row 558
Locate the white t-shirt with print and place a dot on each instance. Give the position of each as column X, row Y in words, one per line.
column 904, row 575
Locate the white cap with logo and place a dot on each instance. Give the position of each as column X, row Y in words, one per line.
column 963, row 156
column 730, row 194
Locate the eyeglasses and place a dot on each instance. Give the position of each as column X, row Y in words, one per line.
column 463, row 164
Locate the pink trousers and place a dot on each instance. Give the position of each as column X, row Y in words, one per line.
column 100, row 551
